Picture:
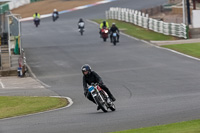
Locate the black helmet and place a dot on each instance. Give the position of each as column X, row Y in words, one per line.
column 80, row 19
column 85, row 68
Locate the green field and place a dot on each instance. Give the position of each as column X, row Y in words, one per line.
column 138, row 32
column 182, row 127
column 192, row 49
column 11, row 106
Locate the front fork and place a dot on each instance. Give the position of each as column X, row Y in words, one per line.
column 107, row 99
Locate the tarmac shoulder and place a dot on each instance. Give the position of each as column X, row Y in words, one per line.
column 26, row 86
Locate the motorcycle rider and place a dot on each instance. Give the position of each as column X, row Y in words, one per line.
column 104, row 24
column 89, row 77
column 36, row 17
column 55, row 12
column 81, row 24
column 114, row 29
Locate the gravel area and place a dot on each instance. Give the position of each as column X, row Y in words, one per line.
column 47, row 6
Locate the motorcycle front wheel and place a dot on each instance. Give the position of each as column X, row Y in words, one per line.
column 101, row 104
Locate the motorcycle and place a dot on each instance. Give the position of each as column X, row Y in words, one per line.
column 101, row 98
column 104, row 33
column 81, row 27
column 37, row 22
column 114, row 38
column 55, row 17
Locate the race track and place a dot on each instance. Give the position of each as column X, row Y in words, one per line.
column 152, row 86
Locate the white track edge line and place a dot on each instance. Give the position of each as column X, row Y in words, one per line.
column 36, row 77
column 68, row 105
column 2, row 85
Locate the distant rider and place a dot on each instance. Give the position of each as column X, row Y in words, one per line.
column 114, row 29
column 81, row 24
column 89, row 77
column 104, row 24
column 55, row 13
column 36, row 17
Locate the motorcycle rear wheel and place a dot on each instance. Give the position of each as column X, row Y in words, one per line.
column 112, row 107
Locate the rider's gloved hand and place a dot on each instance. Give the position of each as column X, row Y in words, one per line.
column 100, row 83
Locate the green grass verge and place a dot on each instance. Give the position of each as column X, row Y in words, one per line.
column 182, row 127
column 137, row 31
column 11, row 106
column 192, row 49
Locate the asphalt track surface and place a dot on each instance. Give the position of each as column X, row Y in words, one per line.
column 152, row 86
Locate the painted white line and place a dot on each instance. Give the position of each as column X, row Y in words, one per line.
column 2, row 85
column 180, row 53
column 154, row 45
column 68, row 105
column 68, row 99
column 92, row 22
column 36, row 77
column 35, row 87
column 131, row 37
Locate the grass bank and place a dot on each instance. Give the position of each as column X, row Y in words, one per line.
column 191, row 49
column 11, row 106
column 182, row 127
column 137, row 31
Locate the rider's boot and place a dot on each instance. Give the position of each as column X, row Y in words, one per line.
column 112, row 98
column 98, row 107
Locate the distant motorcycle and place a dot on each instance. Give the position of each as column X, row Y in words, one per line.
column 114, row 38
column 37, row 22
column 101, row 98
column 54, row 17
column 81, row 26
column 104, row 33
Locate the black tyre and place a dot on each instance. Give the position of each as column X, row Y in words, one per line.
column 112, row 106
column 114, row 41
column 101, row 105
column 104, row 39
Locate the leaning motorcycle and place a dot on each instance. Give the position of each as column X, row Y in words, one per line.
column 104, row 33
column 81, row 27
column 101, row 98
column 37, row 22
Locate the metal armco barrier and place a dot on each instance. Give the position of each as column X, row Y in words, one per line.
column 141, row 19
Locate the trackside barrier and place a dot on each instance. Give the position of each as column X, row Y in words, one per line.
column 141, row 19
